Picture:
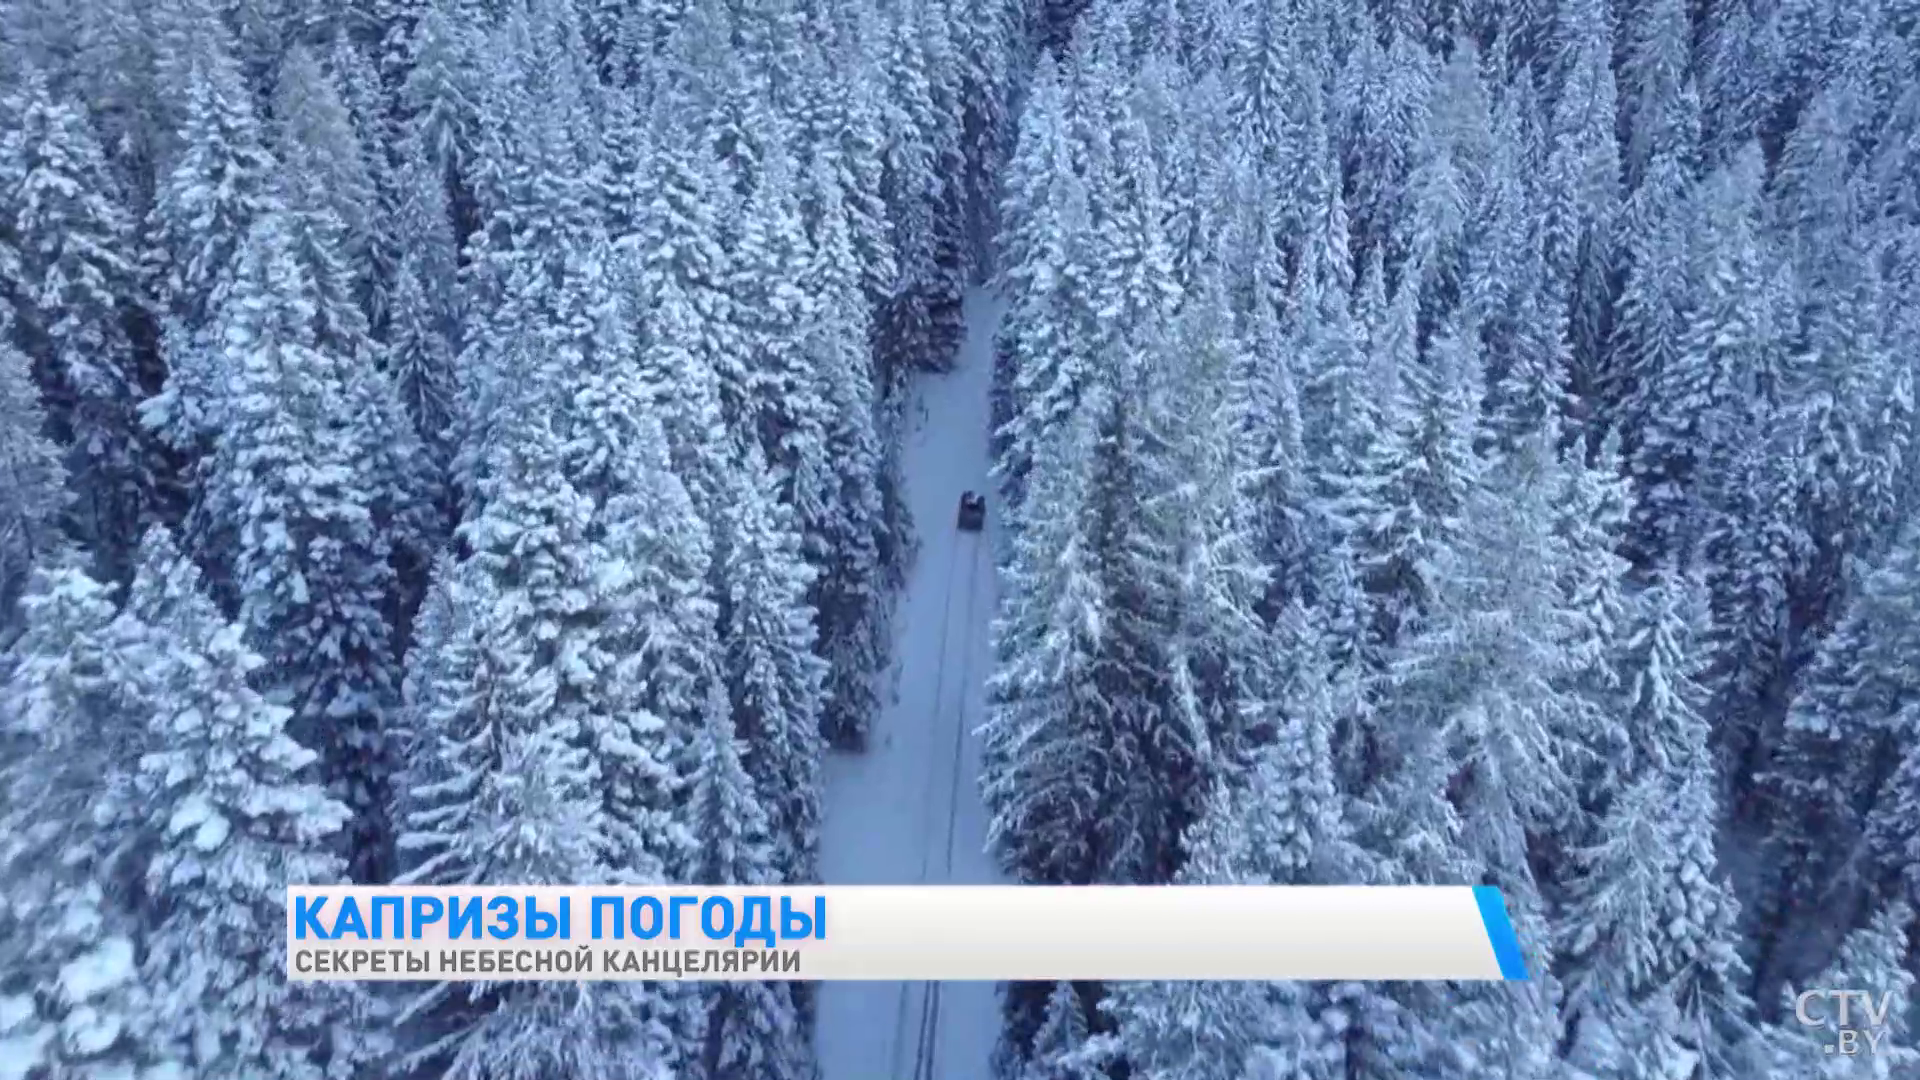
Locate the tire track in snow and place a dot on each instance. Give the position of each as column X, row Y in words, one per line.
column 976, row 545
column 930, row 996
column 926, row 857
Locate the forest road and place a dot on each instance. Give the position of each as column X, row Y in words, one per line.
column 908, row 811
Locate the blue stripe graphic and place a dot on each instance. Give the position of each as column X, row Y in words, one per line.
column 1506, row 945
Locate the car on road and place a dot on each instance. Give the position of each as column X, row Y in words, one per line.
column 973, row 512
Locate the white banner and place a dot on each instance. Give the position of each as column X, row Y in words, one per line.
column 909, row 933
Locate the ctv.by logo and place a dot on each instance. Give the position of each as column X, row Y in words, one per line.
column 1811, row 1009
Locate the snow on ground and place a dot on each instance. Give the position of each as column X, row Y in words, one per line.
column 908, row 810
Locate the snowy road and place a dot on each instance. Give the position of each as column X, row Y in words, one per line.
column 908, row 811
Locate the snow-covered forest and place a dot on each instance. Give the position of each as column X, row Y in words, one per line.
column 1438, row 441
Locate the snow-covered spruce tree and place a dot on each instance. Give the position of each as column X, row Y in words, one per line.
column 330, row 190
column 438, row 627
column 916, row 323
column 1754, row 546
column 1207, row 1030
column 77, row 292
column 1061, row 1049
column 436, row 103
column 843, row 132
column 1269, row 383
column 1219, row 653
column 1853, row 412
column 1593, row 507
column 353, row 72
column 1045, row 340
column 850, row 531
column 204, row 207
column 1835, row 781
column 422, row 320
column 1038, row 753
column 770, row 394
column 406, row 492
column 1089, row 772
column 1873, row 958
column 327, row 188
column 1089, row 776
column 1259, row 71
column 748, row 1028
column 953, row 247
column 1478, row 715
column 773, row 677
column 1652, row 381
column 1194, row 1030
column 285, row 509
column 731, row 105
column 1416, row 478
column 1378, row 108
column 1512, row 299
column 1729, row 363
column 1659, row 107
column 502, row 786
column 521, row 201
column 1296, row 823
column 34, row 498
column 1581, row 187
column 1654, row 981
column 1133, row 282
column 689, row 343
column 647, row 624
column 232, row 814
column 1450, row 163
column 989, row 42
column 70, row 738
column 111, row 65
column 1342, row 395
column 1738, row 62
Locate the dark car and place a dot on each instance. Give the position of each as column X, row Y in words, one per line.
column 973, row 512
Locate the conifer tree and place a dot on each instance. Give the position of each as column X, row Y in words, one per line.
column 769, row 393
column 437, row 101
column 205, row 206
column 76, row 293
column 35, row 496
column 689, row 342
column 773, row 677
column 1873, row 955
column 749, row 1027
column 285, row 507
column 72, row 738
column 1223, row 674
column 1046, row 337
column 913, row 330
column 1653, row 977
column 328, row 188
column 1650, row 371
column 234, row 811
column 1418, row 477
column 1060, row 1050
column 1195, row 1030
column 648, row 619
column 1833, row 782
column 207, row 198
column 1582, row 187
column 1086, row 782
column 504, row 785
column 850, row 532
